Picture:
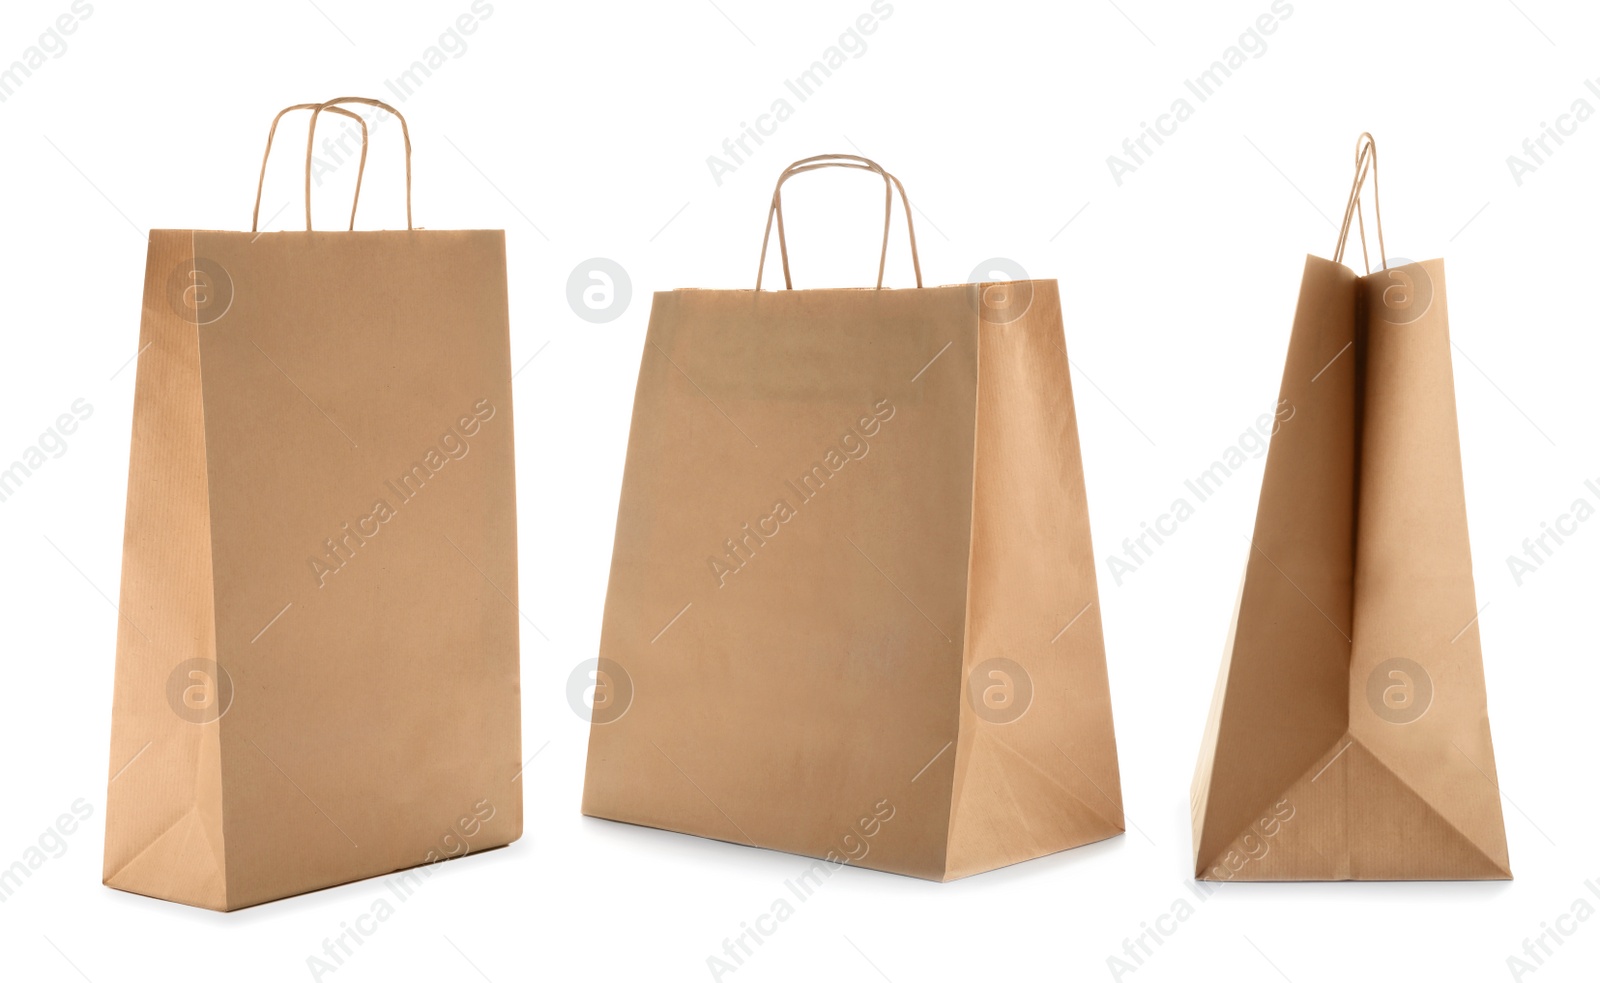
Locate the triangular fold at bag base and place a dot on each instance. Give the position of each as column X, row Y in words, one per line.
column 1010, row 809
column 1349, row 736
column 1351, row 818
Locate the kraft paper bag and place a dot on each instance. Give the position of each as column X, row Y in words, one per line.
column 852, row 611
column 1349, row 737
column 317, row 662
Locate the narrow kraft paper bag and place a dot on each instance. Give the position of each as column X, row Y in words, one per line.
column 852, row 611
column 317, row 663
column 1349, row 737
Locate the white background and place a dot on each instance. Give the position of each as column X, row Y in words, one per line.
column 583, row 130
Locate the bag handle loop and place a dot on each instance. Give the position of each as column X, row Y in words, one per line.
column 255, row 216
column 1366, row 159
column 891, row 184
column 331, row 105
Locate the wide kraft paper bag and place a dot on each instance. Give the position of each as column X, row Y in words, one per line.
column 852, row 611
column 1349, row 737
column 317, row 662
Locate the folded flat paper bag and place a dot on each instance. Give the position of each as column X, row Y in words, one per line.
column 317, row 664
column 1349, row 738
column 852, row 605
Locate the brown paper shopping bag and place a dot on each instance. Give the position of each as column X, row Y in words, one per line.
column 317, row 675
column 1349, row 737
column 852, row 611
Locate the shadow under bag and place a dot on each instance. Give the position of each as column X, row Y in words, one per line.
column 1349, row 737
column 317, row 675
column 852, row 611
